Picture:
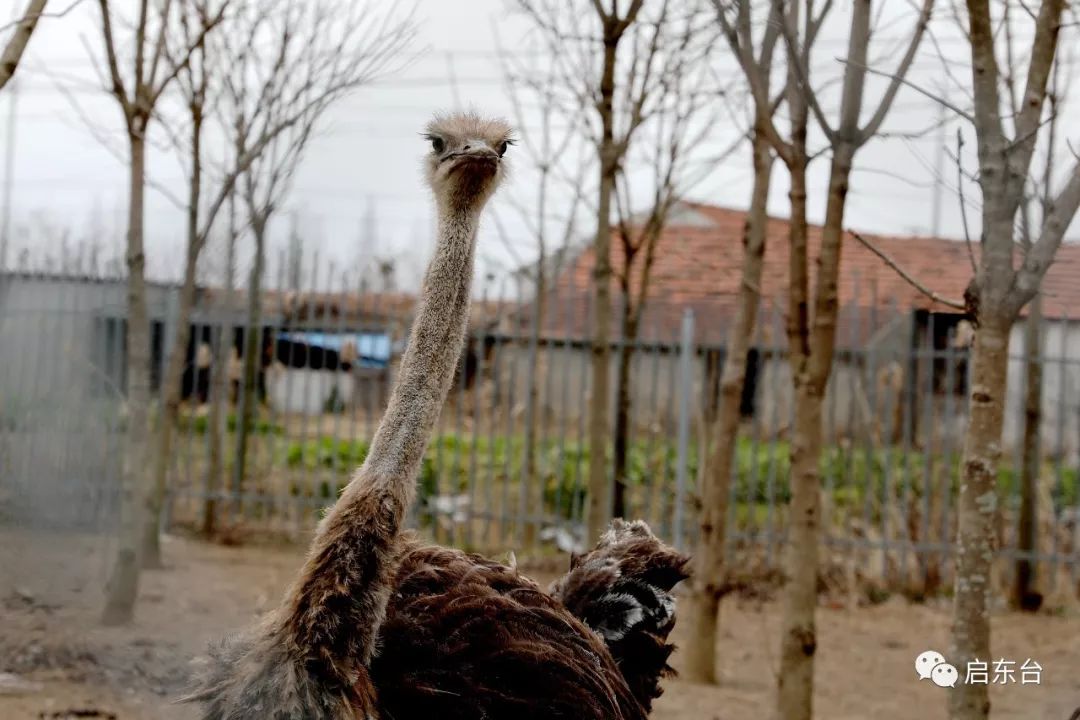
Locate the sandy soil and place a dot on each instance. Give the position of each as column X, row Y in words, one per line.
column 64, row 661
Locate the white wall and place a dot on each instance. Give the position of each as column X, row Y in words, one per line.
column 1060, row 389
column 301, row 390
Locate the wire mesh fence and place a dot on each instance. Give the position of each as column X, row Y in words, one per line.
column 507, row 468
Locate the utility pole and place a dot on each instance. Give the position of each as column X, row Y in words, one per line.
column 295, row 256
column 9, row 172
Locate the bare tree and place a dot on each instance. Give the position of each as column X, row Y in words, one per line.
column 615, row 98
column 292, row 61
column 217, row 421
column 560, row 163
column 1037, row 204
column 137, row 90
column 998, row 292
column 369, row 57
column 192, row 80
column 811, row 323
column 684, row 114
column 707, row 586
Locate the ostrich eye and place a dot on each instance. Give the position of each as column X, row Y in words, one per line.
column 437, row 144
column 501, row 148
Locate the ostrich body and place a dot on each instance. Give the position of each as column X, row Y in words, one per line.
column 379, row 626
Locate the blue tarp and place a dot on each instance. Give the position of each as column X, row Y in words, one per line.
column 373, row 348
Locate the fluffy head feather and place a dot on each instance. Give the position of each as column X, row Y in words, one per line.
column 466, row 162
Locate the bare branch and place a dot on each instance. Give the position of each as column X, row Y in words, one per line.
column 206, row 26
column 908, row 278
column 985, row 74
column 799, row 71
column 118, row 90
column 963, row 205
column 871, row 128
column 31, row 14
column 922, row 91
column 1044, row 50
column 741, row 43
column 16, row 45
column 1041, row 254
column 286, row 69
column 96, row 131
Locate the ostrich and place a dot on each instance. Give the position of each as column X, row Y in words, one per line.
column 380, row 626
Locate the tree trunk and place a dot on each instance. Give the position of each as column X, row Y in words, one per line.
column 709, row 575
column 123, row 585
column 219, row 388
column 1025, row 594
column 252, row 357
column 174, row 369
column 977, row 512
column 532, row 496
column 599, row 492
column 170, row 411
column 621, row 445
column 811, row 344
column 799, row 639
column 215, row 430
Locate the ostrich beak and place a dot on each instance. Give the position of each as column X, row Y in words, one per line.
column 478, row 155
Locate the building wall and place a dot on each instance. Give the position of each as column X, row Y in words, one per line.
column 869, row 396
column 1060, row 427
column 55, row 336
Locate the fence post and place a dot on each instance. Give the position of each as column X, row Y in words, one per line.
column 169, row 324
column 686, row 388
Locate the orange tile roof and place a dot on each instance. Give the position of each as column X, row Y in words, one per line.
column 698, row 265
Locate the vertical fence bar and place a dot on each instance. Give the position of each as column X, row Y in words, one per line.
column 577, row 510
column 459, row 436
column 344, row 448
column 830, row 438
column 480, row 342
column 908, row 398
column 306, row 498
column 506, row 515
column 528, row 450
column 497, row 390
column 187, row 439
column 548, row 434
column 564, row 412
column 846, row 486
column 875, row 433
column 686, row 389
column 277, row 470
column 1059, row 465
column 777, row 356
column 947, row 452
column 656, row 464
column 929, row 486
column 305, row 327
column 1066, row 374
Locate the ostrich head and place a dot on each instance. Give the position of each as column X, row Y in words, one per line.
column 466, row 163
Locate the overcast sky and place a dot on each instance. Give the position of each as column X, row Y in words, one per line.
column 365, row 162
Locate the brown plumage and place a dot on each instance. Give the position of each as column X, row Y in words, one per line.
column 622, row 591
column 378, row 625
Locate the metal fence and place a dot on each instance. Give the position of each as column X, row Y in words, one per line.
column 508, row 466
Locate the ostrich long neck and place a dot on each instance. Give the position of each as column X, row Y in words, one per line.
column 333, row 612
column 427, row 367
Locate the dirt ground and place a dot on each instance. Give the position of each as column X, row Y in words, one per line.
column 59, row 660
